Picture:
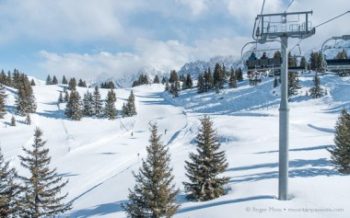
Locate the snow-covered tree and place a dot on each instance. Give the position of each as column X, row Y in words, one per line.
column 88, row 109
column 293, row 83
column 154, row 193
column 129, row 109
column 206, row 165
column 42, row 189
column 317, row 91
column 110, row 110
column 9, row 190
column 340, row 152
column 2, row 101
column 97, row 102
column 74, row 106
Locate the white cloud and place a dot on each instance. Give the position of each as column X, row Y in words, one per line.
column 197, row 6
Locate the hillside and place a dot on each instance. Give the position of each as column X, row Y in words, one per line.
column 99, row 155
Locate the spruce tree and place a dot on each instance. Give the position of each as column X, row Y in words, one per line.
column 97, row 103
column 218, row 77
column 156, row 79
column 340, row 152
column 13, row 121
column 233, row 79
column 189, row 82
column 54, row 80
column 74, row 106
column 64, row 80
column 131, row 108
column 48, row 80
column 32, row 82
column 317, row 91
column 154, row 194
column 2, row 101
column 25, row 100
column 205, row 165
column 42, row 197
column 303, row 63
column 9, row 190
column 173, row 77
column 293, row 83
column 88, row 109
column 60, row 98
column 72, row 85
column 110, row 110
column 200, row 84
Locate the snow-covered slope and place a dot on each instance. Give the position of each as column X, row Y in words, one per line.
column 99, row 155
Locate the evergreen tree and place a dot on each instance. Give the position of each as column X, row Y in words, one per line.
column 48, row 80
column 200, row 85
column 208, row 80
column 233, row 79
column 239, row 74
column 54, row 80
column 293, row 83
column 9, row 190
column 342, row 55
column 2, row 101
column 292, row 61
column 13, row 121
column 218, row 77
column 25, row 100
column 66, row 96
column 110, row 110
column 154, row 194
column 303, row 63
column 64, row 80
column 164, row 80
column 174, row 89
column 204, row 167
column 28, row 119
column 43, row 187
column 60, row 98
column 32, row 82
column 340, row 152
column 317, row 91
column 156, row 79
column 81, row 83
column 173, row 77
column 97, row 103
column 72, row 85
column 167, row 88
column 74, row 106
column 130, row 105
column 88, row 109
column 189, row 82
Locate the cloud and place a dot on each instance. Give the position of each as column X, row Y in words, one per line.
column 159, row 56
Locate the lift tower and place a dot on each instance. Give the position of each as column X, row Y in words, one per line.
column 285, row 25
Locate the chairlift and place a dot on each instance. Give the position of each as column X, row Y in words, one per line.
column 334, row 64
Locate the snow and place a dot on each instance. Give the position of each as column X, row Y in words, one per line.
column 98, row 155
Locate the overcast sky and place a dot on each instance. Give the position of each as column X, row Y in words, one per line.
column 114, row 37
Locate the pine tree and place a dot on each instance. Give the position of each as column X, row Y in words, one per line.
column 340, row 152
column 48, row 80
column 317, row 91
column 189, row 82
column 131, row 108
column 66, row 96
column 2, row 101
column 25, row 100
column 43, row 187
column 54, row 80
column 154, row 194
column 233, row 79
column 97, row 103
column 110, row 110
column 32, row 82
column 173, row 77
column 13, row 121
column 64, row 80
column 72, row 85
column 200, row 85
column 218, row 77
column 204, row 167
column 293, row 83
column 88, row 109
column 74, row 106
column 60, row 98
column 28, row 119
column 9, row 190
column 156, row 79
column 303, row 63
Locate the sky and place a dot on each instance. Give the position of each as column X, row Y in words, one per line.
column 113, row 38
